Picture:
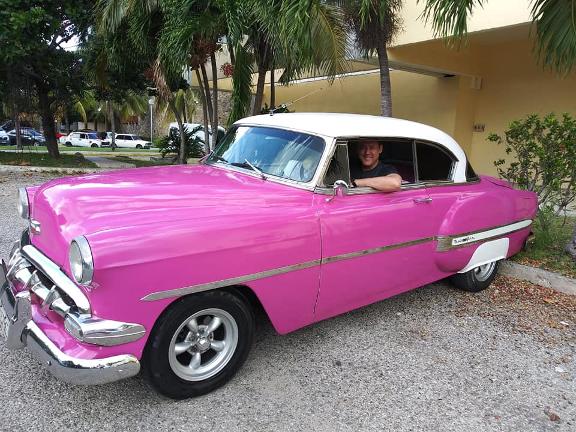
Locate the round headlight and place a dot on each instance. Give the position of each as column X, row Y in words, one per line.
column 81, row 262
column 23, row 207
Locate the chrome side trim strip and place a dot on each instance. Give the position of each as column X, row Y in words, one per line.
column 273, row 272
column 228, row 282
column 365, row 252
column 444, row 243
column 53, row 272
column 460, row 240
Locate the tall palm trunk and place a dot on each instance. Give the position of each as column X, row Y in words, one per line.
column 112, row 124
column 47, row 120
column 259, row 90
column 214, row 139
column 272, row 89
column 385, row 89
column 263, row 61
column 204, row 111
column 182, row 157
column 207, row 93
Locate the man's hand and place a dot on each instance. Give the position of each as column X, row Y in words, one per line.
column 388, row 183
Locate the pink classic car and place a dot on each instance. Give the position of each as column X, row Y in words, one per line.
column 162, row 268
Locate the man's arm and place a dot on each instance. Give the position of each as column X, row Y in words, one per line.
column 388, row 183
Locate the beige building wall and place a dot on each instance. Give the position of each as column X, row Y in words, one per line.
column 497, row 80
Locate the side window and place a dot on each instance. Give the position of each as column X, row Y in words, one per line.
column 339, row 167
column 434, row 163
column 83, row 136
column 397, row 154
column 120, row 137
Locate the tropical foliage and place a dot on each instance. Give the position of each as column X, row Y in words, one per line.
column 375, row 23
column 33, row 39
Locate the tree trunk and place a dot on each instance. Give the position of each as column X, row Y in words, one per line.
column 214, row 139
column 47, row 120
column 231, row 51
column 18, row 133
column 204, row 111
column 385, row 89
column 182, row 157
column 272, row 89
column 67, row 121
column 112, row 124
column 263, row 62
column 571, row 247
column 208, row 97
column 259, row 89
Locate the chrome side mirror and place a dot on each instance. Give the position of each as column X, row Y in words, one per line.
column 340, row 189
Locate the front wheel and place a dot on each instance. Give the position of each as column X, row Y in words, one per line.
column 198, row 344
column 477, row 279
column 94, row 145
column 138, row 146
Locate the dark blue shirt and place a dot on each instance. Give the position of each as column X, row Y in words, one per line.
column 379, row 170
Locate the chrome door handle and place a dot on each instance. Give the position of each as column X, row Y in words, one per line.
column 423, row 200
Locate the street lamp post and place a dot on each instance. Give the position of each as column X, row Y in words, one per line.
column 151, row 103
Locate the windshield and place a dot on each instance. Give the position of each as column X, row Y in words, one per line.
column 286, row 154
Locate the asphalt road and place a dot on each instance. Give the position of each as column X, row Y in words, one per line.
column 434, row 359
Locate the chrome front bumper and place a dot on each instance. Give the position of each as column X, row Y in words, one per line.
column 21, row 331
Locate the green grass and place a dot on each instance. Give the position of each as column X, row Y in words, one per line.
column 136, row 162
column 43, row 160
column 64, row 149
column 547, row 250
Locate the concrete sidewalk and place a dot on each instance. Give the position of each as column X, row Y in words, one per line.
column 103, row 162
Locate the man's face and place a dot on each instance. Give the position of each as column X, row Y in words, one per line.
column 368, row 153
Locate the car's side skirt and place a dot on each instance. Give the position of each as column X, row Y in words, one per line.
column 445, row 243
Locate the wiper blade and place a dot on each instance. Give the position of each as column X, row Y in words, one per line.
column 248, row 164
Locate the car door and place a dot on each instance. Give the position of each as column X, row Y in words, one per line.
column 374, row 245
column 121, row 140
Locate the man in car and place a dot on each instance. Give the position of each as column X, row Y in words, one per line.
column 371, row 172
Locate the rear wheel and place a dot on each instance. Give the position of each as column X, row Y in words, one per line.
column 198, row 344
column 68, row 144
column 477, row 279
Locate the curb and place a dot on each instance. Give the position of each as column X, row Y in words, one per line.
column 538, row 276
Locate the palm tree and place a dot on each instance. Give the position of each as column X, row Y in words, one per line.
column 375, row 23
column 555, row 24
column 133, row 28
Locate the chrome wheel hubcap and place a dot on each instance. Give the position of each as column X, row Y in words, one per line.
column 203, row 344
column 483, row 272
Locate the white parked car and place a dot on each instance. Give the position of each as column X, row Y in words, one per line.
column 85, row 139
column 3, row 136
column 131, row 141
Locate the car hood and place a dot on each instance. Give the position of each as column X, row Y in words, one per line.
column 73, row 206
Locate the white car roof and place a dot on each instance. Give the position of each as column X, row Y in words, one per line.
column 338, row 125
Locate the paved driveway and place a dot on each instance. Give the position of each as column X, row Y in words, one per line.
column 434, row 359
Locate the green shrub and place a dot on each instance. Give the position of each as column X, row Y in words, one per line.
column 170, row 144
column 545, row 161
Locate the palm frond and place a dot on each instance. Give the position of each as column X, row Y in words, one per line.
column 556, row 33
column 449, row 18
column 241, row 84
column 79, row 108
